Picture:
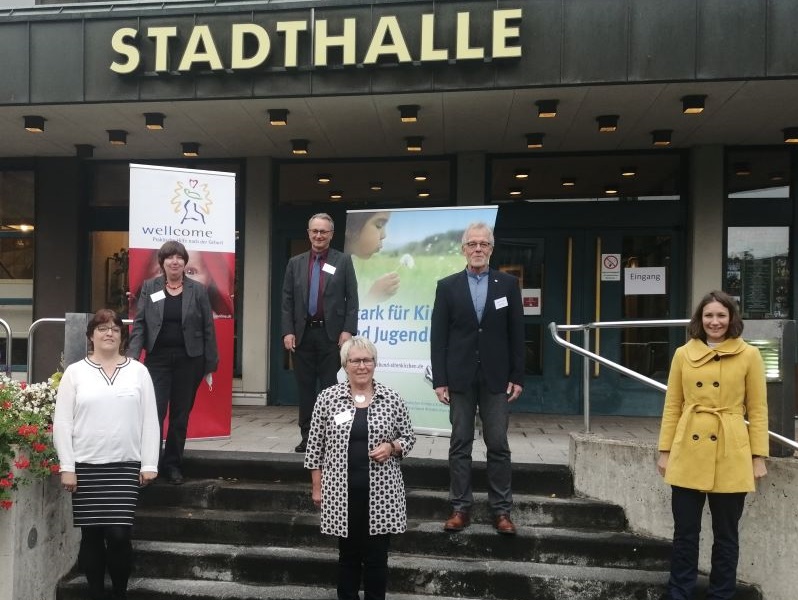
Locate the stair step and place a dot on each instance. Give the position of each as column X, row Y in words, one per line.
column 528, row 510
column 532, row 544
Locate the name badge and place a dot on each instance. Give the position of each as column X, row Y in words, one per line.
column 157, row 296
column 342, row 417
column 328, row 268
column 500, row 302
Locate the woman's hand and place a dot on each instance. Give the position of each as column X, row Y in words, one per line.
column 381, row 452
column 760, row 469
column 315, row 487
column 69, row 481
column 662, row 462
column 146, row 477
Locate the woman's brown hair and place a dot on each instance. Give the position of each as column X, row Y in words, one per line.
column 105, row 316
column 696, row 327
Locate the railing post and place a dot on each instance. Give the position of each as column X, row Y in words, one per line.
column 586, row 378
column 9, row 340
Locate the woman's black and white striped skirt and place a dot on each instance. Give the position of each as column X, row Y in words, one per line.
column 106, row 494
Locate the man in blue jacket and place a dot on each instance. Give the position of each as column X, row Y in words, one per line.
column 477, row 352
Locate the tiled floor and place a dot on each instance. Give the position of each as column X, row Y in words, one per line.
column 533, row 438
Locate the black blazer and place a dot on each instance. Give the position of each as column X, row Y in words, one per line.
column 458, row 342
column 339, row 296
column 199, row 334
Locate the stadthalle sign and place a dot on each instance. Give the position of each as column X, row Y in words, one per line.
column 250, row 44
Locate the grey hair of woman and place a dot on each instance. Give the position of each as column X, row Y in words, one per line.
column 358, row 342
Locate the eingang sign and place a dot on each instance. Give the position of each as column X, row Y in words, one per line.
column 250, row 44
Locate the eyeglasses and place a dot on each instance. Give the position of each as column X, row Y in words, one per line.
column 475, row 245
column 357, row 362
column 319, row 231
column 107, row 328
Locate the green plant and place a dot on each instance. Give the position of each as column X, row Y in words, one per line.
column 26, row 434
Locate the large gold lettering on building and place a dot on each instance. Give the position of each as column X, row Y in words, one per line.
column 326, row 42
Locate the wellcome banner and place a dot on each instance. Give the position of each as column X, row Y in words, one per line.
column 399, row 256
column 197, row 209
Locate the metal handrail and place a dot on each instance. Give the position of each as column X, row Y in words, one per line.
column 9, row 339
column 554, row 329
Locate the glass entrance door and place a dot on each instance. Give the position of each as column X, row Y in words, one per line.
column 586, row 276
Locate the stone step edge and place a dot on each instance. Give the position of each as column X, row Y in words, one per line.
column 400, row 562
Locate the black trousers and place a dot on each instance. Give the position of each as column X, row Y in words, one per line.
column 362, row 557
column 726, row 509
column 316, row 364
column 106, row 547
column 176, row 377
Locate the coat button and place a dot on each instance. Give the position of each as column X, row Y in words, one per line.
column 695, row 436
column 698, row 384
column 717, row 357
column 714, row 438
column 715, row 384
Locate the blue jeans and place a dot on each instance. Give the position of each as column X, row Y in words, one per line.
column 726, row 509
column 495, row 413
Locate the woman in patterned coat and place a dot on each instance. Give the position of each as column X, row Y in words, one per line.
column 359, row 431
column 706, row 451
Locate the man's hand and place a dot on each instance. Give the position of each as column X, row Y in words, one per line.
column 443, row 394
column 513, row 391
column 289, row 341
column 345, row 335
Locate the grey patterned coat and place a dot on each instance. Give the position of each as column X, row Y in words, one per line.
column 328, row 449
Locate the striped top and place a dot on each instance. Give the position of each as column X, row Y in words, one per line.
column 101, row 419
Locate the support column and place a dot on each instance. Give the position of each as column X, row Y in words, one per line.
column 705, row 223
column 470, row 179
column 257, row 284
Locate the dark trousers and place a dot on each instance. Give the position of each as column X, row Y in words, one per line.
column 494, row 411
column 316, row 364
column 688, row 506
column 362, row 556
column 176, row 378
column 101, row 548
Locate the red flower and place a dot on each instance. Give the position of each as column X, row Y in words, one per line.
column 38, row 447
column 10, row 475
column 55, row 468
column 6, row 504
column 22, row 385
column 22, row 463
column 28, row 430
column 5, row 483
column 7, row 405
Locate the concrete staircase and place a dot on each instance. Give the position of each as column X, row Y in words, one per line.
column 243, row 527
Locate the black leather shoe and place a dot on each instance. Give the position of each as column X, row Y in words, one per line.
column 175, row 477
column 301, row 447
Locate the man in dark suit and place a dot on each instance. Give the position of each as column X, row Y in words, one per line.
column 477, row 351
column 319, row 314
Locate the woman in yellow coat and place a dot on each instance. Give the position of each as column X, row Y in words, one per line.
column 716, row 381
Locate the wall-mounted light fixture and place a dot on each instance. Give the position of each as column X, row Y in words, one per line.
column 742, row 169
column 34, row 123
column 190, row 149
column 661, row 137
column 154, row 121
column 790, row 135
column 84, row 150
column 117, row 137
column 336, row 195
column 420, row 176
column 323, row 178
column 534, row 140
column 515, row 191
column 375, row 186
column 628, row 171
column 611, row 189
column 547, row 109
column 414, row 143
column 278, row 116
column 408, row 113
column 299, row 147
column 776, row 177
column 607, row 123
column 568, row 182
column 422, row 193
column 693, row 105
column 521, row 174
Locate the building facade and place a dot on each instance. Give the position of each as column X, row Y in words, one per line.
column 615, row 135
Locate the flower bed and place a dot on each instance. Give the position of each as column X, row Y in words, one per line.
column 26, row 441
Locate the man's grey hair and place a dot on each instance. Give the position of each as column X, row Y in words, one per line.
column 478, row 225
column 360, row 342
column 324, row 216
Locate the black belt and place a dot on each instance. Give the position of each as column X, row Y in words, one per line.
column 313, row 323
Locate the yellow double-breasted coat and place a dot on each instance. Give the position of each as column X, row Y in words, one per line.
column 710, row 393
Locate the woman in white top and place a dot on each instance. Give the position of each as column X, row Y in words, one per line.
column 106, row 434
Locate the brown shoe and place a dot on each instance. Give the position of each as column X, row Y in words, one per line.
column 504, row 525
column 457, row 522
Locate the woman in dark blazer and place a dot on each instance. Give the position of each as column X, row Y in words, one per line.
column 174, row 325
